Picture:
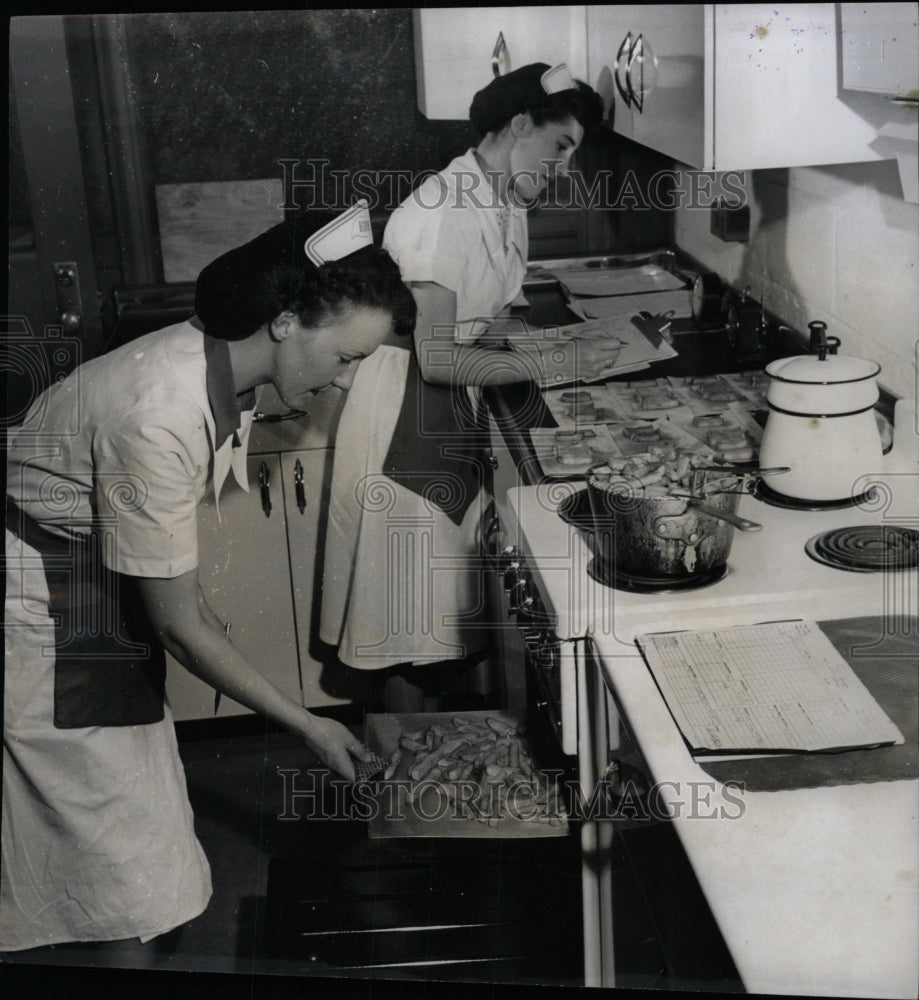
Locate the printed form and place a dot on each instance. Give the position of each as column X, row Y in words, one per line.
column 780, row 686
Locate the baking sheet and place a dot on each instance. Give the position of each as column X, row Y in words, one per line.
column 619, row 281
column 394, row 814
column 678, row 302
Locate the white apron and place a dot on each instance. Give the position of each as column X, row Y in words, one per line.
column 98, row 841
column 400, row 579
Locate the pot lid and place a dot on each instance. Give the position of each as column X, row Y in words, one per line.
column 834, row 368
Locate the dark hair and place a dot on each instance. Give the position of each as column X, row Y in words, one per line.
column 521, row 91
column 253, row 284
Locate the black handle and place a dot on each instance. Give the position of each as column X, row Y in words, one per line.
column 820, row 342
column 623, row 92
column 264, row 489
column 299, row 491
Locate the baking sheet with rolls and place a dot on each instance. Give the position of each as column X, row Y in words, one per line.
column 403, row 806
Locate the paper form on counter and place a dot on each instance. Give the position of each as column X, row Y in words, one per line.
column 636, row 351
column 780, row 686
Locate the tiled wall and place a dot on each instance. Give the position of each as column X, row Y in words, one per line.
column 836, row 243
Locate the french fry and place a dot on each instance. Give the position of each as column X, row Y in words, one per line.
column 394, row 762
column 489, row 752
column 420, row 771
column 413, row 745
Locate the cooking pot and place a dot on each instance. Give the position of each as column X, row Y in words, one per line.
column 821, row 421
column 660, row 536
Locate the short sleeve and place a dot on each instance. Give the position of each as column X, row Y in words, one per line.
column 427, row 239
column 151, row 474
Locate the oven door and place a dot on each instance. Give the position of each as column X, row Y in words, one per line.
column 646, row 921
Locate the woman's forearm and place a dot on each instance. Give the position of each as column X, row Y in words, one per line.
column 541, row 358
column 205, row 651
column 195, row 636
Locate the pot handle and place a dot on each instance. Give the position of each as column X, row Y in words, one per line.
column 743, row 523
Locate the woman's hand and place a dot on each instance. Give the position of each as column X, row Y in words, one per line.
column 587, row 358
column 334, row 745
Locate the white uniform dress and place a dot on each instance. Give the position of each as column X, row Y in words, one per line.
column 454, row 231
column 400, row 577
column 97, row 832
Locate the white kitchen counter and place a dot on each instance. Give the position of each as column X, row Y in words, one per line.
column 815, row 891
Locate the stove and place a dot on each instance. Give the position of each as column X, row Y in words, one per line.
column 769, row 573
column 771, row 576
column 866, row 548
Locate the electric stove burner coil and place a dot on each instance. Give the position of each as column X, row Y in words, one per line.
column 605, row 573
column 866, row 548
column 771, row 496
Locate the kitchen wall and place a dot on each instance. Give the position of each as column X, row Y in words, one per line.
column 226, row 96
column 836, row 243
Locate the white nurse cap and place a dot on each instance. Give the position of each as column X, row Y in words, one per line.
column 346, row 233
column 556, row 79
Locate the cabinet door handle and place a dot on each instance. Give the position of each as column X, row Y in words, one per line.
column 264, row 488
column 500, row 56
column 299, row 490
column 637, row 55
column 620, row 64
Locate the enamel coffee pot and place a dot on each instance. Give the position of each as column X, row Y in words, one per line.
column 821, row 421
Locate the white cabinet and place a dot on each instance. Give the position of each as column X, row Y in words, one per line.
column 731, row 86
column 258, row 573
column 880, row 48
column 455, row 49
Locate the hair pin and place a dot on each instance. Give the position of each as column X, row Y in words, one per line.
column 345, row 234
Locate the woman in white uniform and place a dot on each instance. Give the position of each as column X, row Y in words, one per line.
column 104, row 478
column 401, row 581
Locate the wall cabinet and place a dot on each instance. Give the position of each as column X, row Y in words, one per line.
column 880, row 48
column 730, row 86
column 458, row 49
column 260, row 573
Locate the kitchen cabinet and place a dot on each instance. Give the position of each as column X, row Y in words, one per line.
column 729, row 86
column 258, row 573
column 880, row 48
column 456, row 49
